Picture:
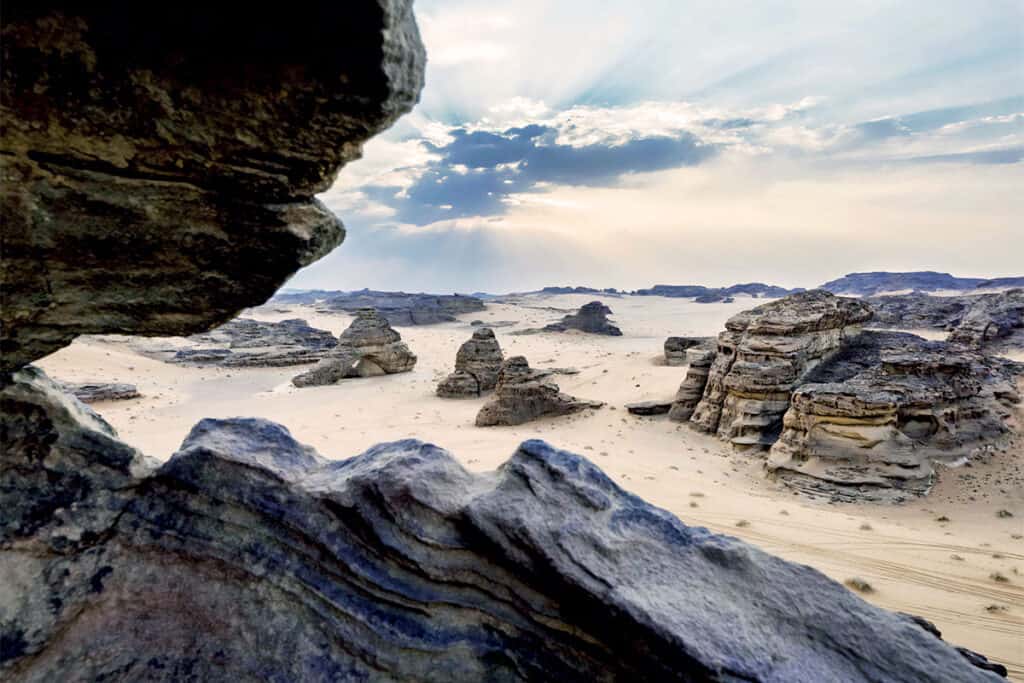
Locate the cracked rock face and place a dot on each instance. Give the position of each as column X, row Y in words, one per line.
column 249, row 556
column 763, row 354
column 159, row 163
column 477, row 364
column 591, row 318
column 368, row 348
column 524, row 394
column 872, row 422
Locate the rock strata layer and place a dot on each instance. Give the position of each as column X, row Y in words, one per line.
column 399, row 308
column 160, row 165
column 524, row 394
column 699, row 360
column 368, row 348
column 477, row 364
column 675, row 349
column 244, row 342
column 248, row 556
column 91, row 392
column 591, row 318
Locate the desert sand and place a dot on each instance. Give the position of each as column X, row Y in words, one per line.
column 941, row 570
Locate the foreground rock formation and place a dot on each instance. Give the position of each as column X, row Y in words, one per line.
column 148, row 150
column 368, row 348
column 524, row 394
column 477, row 364
column 763, row 354
column 91, row 392
column 591, row 318
column 247, row 555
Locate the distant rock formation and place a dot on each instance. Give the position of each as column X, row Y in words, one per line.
column 699, row 360
column 870, row 284
column 917, row 311
column 397, row 564
column 91, row 392
column 523, row 394
column 477, row 365
column 369, row 347
column 399, row 308
column 714, row 298
column 717, row 294
column 591, row 318
column 675, row 349
column 763, row 354
column 579, row 290
column 243, row 342
column 871, row 421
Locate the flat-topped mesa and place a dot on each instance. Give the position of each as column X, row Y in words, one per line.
column 160, row 165
column 477, row 364
column 591, row 318
column 675, row 349
column 763, row 354
column 871, row 423
column 523, row 394
column 369, row 347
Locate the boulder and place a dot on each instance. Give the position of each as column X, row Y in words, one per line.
column 591, row 318
column 871, row 423
column 368, row 348
column 160, row 164
column 675, row 349
column 91, row 392
column 649, row 407
column 248, row 556
column 477, row 365
column 763, row 354
column 523, row 394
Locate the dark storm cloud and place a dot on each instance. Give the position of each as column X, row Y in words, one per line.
column 478, row 170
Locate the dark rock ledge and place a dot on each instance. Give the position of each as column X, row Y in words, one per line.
column 249, row 556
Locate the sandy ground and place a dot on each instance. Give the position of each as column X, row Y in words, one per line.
column 941, row 570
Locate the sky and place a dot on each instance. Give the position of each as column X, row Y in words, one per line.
column 626, row 144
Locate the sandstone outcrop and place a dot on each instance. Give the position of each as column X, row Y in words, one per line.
column 675, row 349
column 247, row 555
column 699, row 360
column 754, row 289
column 91, row 392
column 477, row 364
column 871, row 284
column 400, row 308
column 591, row 318
column 146, row 149
column 763, row 354
column 647, row 408
column 244, row 342
column 524, row 394
column 368, row 348
column 872, row 422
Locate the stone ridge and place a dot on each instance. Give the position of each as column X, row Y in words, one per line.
column 397, row 564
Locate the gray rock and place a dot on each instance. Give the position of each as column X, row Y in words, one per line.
column 699, row 360
column 675, row 349
column 591, row 318
column 402, row 309
column 243, row 342
column 477, row 365
column 649, row 407
column 871, row 284
column 523, row 394
column 160, row 164
column 91, row 392
column 248, row 556
column 368, row 348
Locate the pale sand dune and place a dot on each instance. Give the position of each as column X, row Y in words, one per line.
column 905, row 555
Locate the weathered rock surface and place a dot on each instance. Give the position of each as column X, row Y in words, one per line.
column 872, row 421
column 754, row 289
column 591, row 318
column 369, row 347
column 763, row 354
column 244, row 342
column 477, row 364
column 649, row 407
column 400, row 308
column 870, row 284
column 523, row 394
column 249, row 556
column 148, row 150
column 675, row 349
column 91, row 392
column 714, row 298
column 699, row 360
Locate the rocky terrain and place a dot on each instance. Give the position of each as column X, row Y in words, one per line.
column 477, row 364
column 92, row 392
column 871, row 284
column 675, row 349
column 699, row 359
column 368, row 348
column 399, row 308
column 523, row 394
column 592, row 318
column 717, row 294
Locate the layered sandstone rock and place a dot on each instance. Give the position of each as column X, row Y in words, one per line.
column 402, row 309
column 523, row 394
column 477, row 364
column 368, row 348
column 591, row 318
column 92, row 392
column 699, row 360
column 176, row 153
column 872, row 422
column 249, row 556
column 675, row 349
column 763, row 354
